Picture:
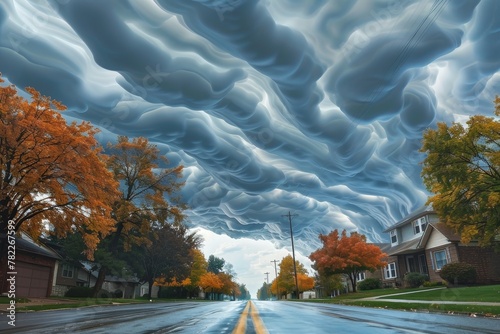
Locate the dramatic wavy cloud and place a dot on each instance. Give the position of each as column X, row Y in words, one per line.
column 311, row 107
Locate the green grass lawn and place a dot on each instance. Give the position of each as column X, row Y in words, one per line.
column 490, row 293
column 490, row 311
column 376, row 293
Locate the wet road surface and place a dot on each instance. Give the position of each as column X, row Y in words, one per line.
column 242, row 317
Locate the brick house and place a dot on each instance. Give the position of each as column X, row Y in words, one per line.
column 421, row 243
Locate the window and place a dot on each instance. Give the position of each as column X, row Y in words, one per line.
column 419, row 225
column 394, row 237
column 390, row 270
column 360, row 277
column 67, row 271
column 440, row 259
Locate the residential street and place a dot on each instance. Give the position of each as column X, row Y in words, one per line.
column 231, row 317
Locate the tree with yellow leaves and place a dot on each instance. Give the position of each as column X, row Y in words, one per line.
column 462, row 170
column 286, row 278
column 198, row 269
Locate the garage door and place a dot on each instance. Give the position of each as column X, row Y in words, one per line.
column 31, row 280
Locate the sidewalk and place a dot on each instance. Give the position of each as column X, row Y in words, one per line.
column 382, row 299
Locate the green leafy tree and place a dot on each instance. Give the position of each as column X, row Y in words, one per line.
column 168, row 254
column 244, row 293
column 149, row 198
column 462, row 170
column 215, row 264
column 264, row 293
column 329, row 284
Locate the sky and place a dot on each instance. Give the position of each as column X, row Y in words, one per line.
column 314, row 108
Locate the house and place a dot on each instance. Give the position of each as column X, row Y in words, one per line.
column 68, row 272
column 71, row 275
column 421, row 243
column 144, row 289
column 127, row 286
column 35, row 267
column 85, row 274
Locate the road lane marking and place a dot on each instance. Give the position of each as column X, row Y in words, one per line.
column 258, row 325
column 241, row 327
column 257, row 321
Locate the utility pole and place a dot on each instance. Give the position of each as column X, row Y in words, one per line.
column 267, row 277
column 277, row 283
column 289, row 215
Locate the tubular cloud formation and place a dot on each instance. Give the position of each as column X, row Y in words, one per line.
column 313, row 107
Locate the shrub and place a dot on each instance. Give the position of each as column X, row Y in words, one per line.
column 104, row 294
column 79, row 292
column 428, row 284
column 458, row 273
column 370, row 284
column 414, row 280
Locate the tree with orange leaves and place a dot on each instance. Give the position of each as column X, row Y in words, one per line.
column 349, row 255
column 210, row 282
column 305, row 282
column 52, row 173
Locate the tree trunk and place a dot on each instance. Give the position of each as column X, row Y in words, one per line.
column 352, row 277
column 150, row 287
column 99, row 282
column 112, row 249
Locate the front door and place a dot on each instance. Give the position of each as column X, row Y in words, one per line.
column 411, row 265
column 423, row 264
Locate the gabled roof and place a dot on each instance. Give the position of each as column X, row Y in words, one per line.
column 442, row 228
column 90, row 268
column 420, row 212
column 384, row 247
column 404, row 248
column 26, row 244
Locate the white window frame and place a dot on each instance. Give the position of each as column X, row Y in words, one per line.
column 390, row 271
column 69, row 269
column 419, row 226
column 394, row 235
column 440, row 265
column 361, row 276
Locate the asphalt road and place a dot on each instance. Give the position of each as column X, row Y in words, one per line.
column 242, row 317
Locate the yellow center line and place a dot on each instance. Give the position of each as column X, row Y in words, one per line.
column 257, row 321
column 258, row 325
column 241, row 327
